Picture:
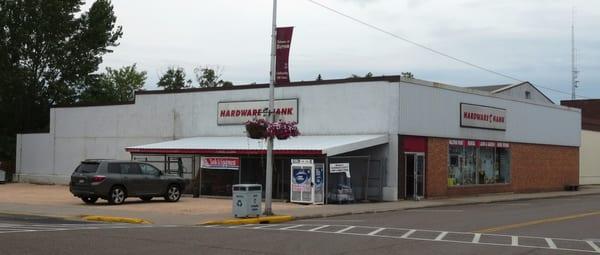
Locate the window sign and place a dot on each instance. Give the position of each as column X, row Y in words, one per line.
column 229, row 163
column 340, row 168
column 237, row 113
column 479, row 116
column 478, row 163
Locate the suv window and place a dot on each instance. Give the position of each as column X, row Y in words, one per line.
column 148, row 169
column 130, row 168
column 87, row 167
column 114, row 168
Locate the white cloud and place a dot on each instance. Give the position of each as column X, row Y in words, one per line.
column 529, row 39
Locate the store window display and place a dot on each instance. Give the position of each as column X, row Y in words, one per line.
column 478, row 163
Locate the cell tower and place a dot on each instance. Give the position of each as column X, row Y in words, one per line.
column 574, row 71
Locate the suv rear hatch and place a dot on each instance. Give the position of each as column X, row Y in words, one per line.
column 84, row 173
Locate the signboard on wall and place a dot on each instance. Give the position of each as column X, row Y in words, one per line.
column 230, row 163
column 340, row 168
column 473, row 143
column 485, row 117
column 237, row 113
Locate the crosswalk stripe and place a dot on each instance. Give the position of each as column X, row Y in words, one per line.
column 407, row 234
column 344, row 230
column 551, row 243
column 293, row 226
column 476, row 238
column 441, row 236
column 515, row 241
column 594, row 246
column 317, row 228
column 374, row 232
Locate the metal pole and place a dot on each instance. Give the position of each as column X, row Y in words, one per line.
column 269, row 181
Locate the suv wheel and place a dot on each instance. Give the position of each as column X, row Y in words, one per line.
column 117, row 195
column 173, row 193
column 89, row 200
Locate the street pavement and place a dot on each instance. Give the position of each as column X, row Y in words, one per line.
column 568, row 225
column 55, row 200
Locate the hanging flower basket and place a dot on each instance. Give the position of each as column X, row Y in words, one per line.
column 257, row 129
column 283, row 130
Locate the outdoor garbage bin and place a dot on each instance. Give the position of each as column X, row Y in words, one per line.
column 247, row 200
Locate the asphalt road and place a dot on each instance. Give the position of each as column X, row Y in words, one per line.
column 548, row 226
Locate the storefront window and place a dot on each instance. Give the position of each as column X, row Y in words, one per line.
column 472, row 163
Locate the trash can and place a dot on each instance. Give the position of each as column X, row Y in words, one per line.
column 247, row 200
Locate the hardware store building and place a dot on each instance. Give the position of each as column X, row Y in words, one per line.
column 399, row 137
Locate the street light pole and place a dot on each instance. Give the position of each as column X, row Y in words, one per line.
column 271, row 116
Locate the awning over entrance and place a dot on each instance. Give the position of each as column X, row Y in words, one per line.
column 301, row 145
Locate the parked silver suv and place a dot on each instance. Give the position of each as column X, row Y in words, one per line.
column 115, row 180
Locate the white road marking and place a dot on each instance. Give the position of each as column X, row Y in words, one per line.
column 26, row 228
column 291, row 227
column 441, row 236
column 319, row 227
column 476, row 238
column 596, row 248
column 265, row 226
column 344, row 230
column 434, row 210
column 407, row 234
column 374, row 232
column 333, row 220
column 514, row 240
column 551, row 243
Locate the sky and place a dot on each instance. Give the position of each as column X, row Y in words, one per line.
column 526, row 39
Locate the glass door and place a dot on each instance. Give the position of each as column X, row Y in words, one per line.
column 415, row 175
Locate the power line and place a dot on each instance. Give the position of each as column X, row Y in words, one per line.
column 431, row 49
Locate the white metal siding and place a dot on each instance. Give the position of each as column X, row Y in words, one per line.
column 430, row 111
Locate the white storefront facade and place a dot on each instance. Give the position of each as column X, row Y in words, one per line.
column 370, row 123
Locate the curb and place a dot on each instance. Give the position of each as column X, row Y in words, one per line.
column 115, row 219
column 258, row 220
column 334, row 214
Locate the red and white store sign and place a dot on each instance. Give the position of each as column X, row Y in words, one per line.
column 474, row 143
column 237, row 113
column 478, row 116
column 230, row 163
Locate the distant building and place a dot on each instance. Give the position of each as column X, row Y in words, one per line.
column 523, row 90
column 394, row 137
column 589, row 152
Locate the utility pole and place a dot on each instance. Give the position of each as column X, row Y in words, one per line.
column 574, row 71
column 271, row 116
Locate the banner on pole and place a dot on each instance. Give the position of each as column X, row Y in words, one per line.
column 283, row 42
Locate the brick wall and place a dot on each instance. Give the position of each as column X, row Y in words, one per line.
column 534, row 168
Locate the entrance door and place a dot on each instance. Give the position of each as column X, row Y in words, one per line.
column 415, row 175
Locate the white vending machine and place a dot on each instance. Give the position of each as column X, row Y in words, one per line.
column 307, row 182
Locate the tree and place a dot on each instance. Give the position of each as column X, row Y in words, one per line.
column 174, row 79
column 407, row 75
column 48, row 49
column 368, row 75
column 209, row 78
column 114, row 86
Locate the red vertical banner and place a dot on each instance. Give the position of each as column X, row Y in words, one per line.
column 284, row 40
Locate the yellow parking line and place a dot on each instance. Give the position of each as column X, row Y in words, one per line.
column 536, row 222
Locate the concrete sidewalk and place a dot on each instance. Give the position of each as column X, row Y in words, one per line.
column 55, row 200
